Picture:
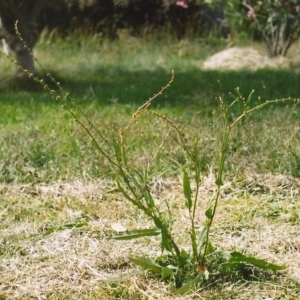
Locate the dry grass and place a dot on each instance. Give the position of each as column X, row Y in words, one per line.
column 244, row 58
column 259, row 216
column 252, row 57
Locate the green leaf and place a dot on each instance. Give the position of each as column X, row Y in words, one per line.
column 184, row 258
column 149, row 199
column 165, row 242
column 146, row 263
column 134, row 234
column 135, row 182
column 189, row 285
column 210, row 249
column 158, row 222
column 187, row 190
column 63, row 227
column 166, row 273
column 184, row 254
column 209, row 213
column 219, row 182
column 237, row 257
column 202, row 236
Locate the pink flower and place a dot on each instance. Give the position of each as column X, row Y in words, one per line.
column 250, row 13
column 274, row 14
column 297, row 8
column 182, row 3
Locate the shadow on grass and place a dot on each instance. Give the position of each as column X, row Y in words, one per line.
column 197, row 87
column 25, row 84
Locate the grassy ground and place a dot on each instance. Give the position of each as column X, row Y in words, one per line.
column 51, row 175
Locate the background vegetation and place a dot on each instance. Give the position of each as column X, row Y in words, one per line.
column 109, row 80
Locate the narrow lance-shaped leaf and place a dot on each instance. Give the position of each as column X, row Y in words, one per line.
column 149, row 199
column 64, row 227
column 166, row 242
column 238, row 258
column 187, row 190
column 202, row 236
column 135, row 182
column 146, row 263
column 134, row 234
column 158, row 223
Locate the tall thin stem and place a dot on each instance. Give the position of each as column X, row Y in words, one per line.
column 219, row 182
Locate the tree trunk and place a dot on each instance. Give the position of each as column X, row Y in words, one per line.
column 25, row 61
column 20, row 30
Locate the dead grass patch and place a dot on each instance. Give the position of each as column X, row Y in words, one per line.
column 258, row 216
column 236, row 58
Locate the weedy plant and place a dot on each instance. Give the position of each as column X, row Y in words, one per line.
column 188, row 267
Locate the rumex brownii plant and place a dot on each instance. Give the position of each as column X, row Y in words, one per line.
column 188, row 268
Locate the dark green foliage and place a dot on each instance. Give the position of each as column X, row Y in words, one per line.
column 105, row 17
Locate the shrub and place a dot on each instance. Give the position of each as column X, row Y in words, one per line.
column 277, row 22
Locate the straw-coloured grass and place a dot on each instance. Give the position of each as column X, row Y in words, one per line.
column 258, row 216
column 237, row 58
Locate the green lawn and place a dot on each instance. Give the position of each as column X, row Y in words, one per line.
column 52, row 175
